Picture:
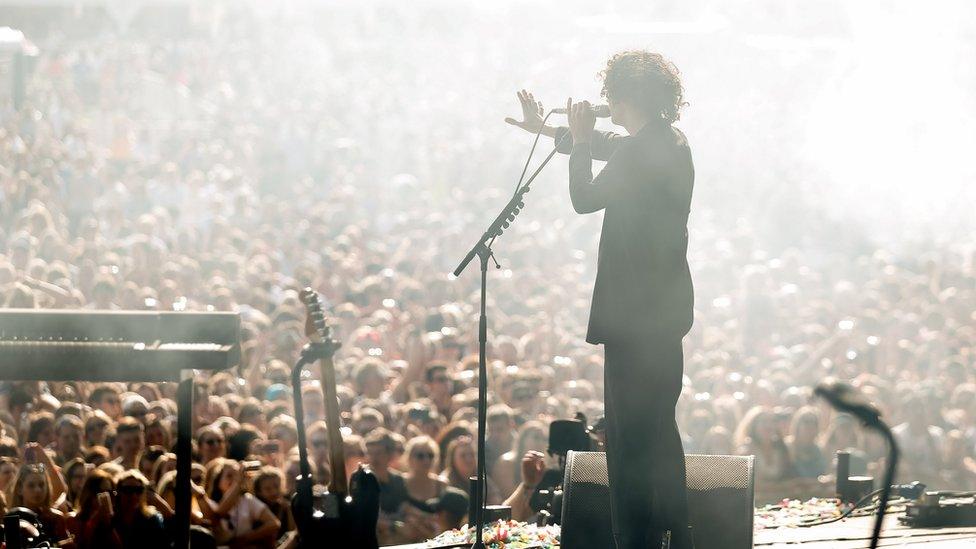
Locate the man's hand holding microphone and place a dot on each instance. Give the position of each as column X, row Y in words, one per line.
column 582, row 117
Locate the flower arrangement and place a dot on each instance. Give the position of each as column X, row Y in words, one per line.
column 504, row 534
column 793, row 512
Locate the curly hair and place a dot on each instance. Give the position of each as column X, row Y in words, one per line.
column 644, row 79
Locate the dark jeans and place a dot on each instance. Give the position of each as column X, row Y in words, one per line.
column 645, row 459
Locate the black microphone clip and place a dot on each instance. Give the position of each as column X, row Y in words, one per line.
column 848, row 399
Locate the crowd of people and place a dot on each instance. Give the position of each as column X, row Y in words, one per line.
column 227, row 168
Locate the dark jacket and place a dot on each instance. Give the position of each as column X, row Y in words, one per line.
column 643, row 285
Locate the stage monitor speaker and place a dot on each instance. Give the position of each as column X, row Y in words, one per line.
column 720, row 501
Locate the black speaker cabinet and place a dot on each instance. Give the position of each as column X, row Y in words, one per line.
column 720, row 501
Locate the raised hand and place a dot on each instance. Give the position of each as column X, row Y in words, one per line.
column 533, row 468
column 531, row 113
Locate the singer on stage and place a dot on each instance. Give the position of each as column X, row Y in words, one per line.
column 642, row 298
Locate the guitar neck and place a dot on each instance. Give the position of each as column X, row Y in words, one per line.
column 339, row 483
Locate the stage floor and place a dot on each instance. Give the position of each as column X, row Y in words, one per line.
column 852, row 533
column 856, row 533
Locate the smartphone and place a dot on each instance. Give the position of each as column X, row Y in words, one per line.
column 251, row 466
column 105, row 502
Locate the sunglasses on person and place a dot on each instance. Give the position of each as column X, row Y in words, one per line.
column 424, row 455
column 213, row 441
column 131, row 490
column 269, row 447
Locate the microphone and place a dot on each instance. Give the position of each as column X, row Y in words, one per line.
column 847, row 399
column 601, row 111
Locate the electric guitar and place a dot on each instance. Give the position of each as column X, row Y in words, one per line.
column 344, row 514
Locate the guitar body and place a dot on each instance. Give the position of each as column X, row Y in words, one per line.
column 352, row 522
column 343, row 516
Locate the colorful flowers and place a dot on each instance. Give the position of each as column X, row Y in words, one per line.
column 504, row 535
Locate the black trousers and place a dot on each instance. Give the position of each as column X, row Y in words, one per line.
column 645, row 459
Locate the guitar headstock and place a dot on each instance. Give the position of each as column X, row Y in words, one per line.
column 320, row 337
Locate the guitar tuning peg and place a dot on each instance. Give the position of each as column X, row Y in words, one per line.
column 505, row 225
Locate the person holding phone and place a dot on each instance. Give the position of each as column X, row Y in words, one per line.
column 91, row 523
column 269, row 488
column 240, row 520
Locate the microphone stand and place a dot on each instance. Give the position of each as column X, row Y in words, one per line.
column 482, row 249
column 893, row 454
column 844, row 398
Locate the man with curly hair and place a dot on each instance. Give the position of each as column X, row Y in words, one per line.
column 642, row 298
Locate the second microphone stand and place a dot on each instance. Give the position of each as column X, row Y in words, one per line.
column 482, row 249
